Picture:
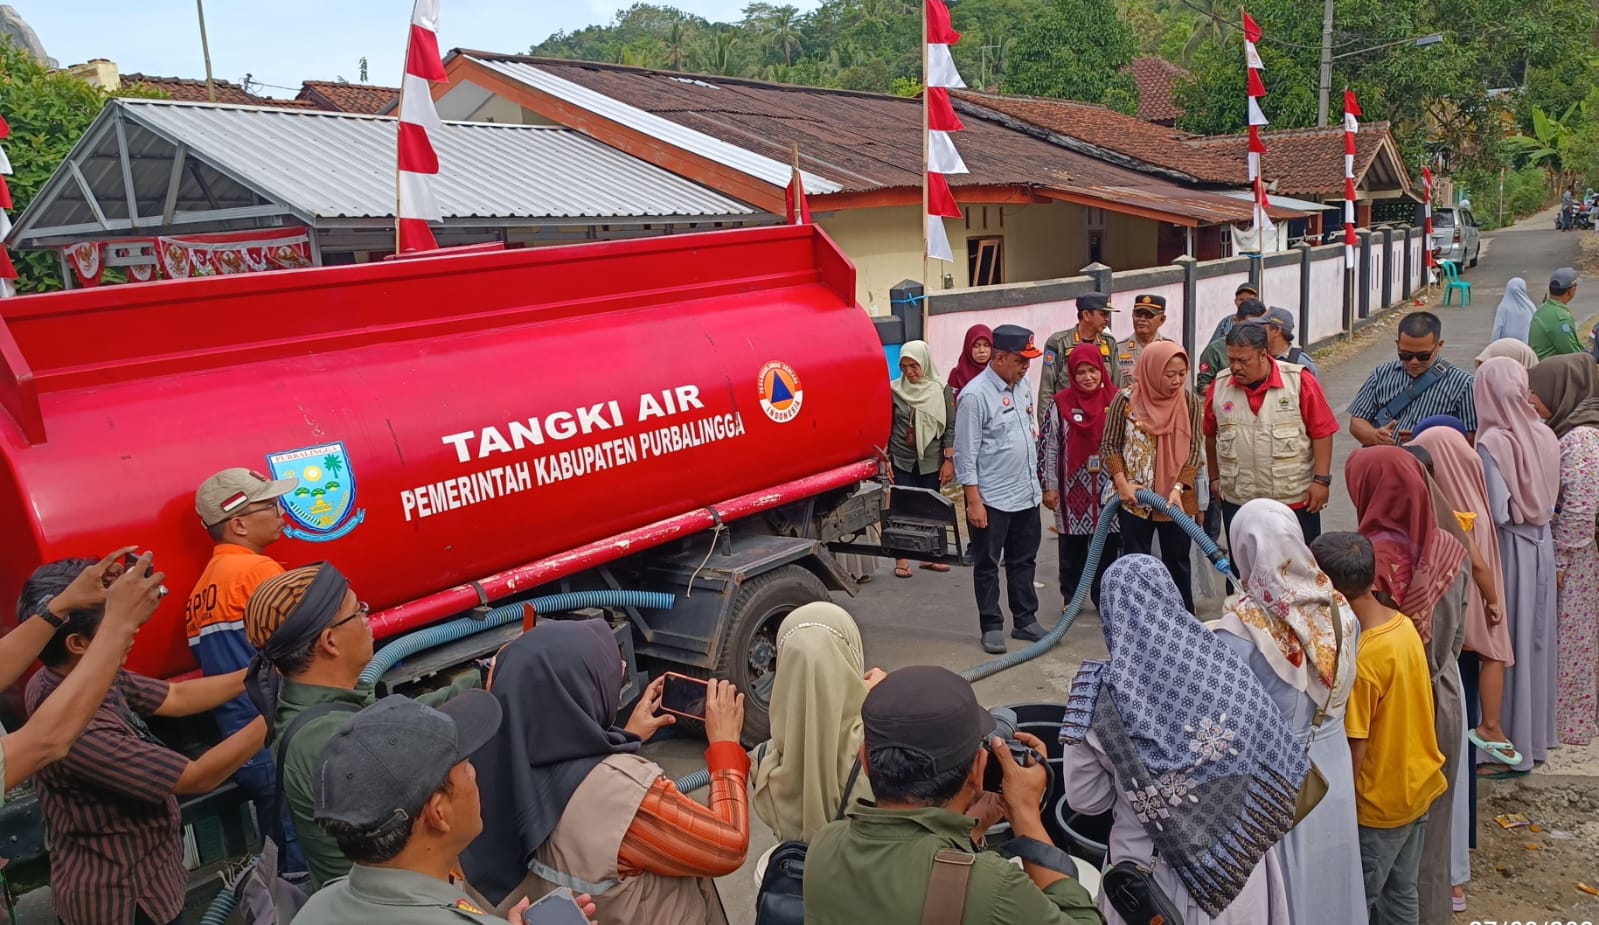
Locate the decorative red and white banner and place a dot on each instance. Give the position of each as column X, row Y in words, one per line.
column 184, row 256
column 1351, row 129
column 417, row 162
column 942, row 157
column 7, row 271
column 1426, row 214
column 1257, row 118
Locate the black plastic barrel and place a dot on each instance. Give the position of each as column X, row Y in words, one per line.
column 1087, row 837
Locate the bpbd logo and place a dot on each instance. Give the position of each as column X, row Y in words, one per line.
column 780, row 391
column 322, row 507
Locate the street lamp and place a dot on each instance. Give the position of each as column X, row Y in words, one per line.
column 1327, row 58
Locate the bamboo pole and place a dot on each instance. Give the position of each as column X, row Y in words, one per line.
column 205, row 49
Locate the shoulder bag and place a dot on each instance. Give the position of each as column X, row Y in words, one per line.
column 781, row 898
column 1397, row 405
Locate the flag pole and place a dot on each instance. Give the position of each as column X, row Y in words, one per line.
column 399, row 107
column 926, row 262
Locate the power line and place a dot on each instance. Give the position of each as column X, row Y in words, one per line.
column 1232, row 25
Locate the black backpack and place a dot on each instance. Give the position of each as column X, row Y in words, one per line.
column 781, row 899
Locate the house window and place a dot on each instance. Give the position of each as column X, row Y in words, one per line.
column 1095, row 234
column 985, row 261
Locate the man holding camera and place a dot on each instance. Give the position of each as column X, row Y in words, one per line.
column 927, row 747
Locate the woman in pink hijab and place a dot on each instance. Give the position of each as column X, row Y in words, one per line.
column 1521, row 472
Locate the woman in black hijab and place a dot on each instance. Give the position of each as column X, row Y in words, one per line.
column 569, row 801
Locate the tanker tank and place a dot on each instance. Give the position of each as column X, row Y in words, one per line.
column 448, row 418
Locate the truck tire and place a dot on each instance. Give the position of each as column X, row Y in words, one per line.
column 749, row 647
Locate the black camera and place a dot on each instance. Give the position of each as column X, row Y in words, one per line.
column 1005, row 724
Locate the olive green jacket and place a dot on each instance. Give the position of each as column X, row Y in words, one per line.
column 873, row 867
column 903, row 453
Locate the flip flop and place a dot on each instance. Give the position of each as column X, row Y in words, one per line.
column 1502, row 752
column 902, row 572
column 1458, row 903
column 935, row 566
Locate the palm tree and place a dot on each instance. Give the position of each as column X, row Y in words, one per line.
column 783, row 32
column 1212, row 26
column 676, row 45
column 718, row 54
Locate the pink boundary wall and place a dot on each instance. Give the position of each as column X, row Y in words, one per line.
column 1214, row 286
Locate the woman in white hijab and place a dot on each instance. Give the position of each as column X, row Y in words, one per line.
column 1298, row 636
column 1514, row 317
column 801, row 775
column 921, row 440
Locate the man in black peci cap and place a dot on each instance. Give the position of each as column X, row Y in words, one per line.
column 395, row 789
column 1245, row 292
column 1093, row 327
column 996, row 463
column 927, row 743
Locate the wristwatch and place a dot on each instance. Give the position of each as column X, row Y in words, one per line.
column 42, row 611
column 1324, row 480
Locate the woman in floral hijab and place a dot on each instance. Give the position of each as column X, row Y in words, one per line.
column 1298, row 636
column 1175, row 735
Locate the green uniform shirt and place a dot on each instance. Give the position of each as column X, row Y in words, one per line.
column 387, row 896
column 873, row 867
column 1212, row 361
column 1553, row 331
column 1055, row 376
column 300, row 762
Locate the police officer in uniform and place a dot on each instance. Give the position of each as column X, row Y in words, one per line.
column 1149, row 313
column 396, row 791
column 1093, row 324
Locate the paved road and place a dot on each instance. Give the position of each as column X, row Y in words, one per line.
column 930, row 619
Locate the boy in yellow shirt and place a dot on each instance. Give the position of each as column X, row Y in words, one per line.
column 1389, row 721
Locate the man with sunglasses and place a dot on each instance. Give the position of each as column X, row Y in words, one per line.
column 239, row 508
column 1417, row 385
column 314, row 640
column 1149, row 313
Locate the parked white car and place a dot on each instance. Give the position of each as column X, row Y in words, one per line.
column 1455, row 236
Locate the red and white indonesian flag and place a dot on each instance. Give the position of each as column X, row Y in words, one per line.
column 419, row 121
column 1426, row 214
column 7, row 271
column 942, row 123
column 1351, row 129
column 1257, row 118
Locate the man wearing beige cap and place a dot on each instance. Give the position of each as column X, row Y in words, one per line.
column 239, row 508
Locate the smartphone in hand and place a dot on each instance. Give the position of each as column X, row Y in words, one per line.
column 557, row 907
column 683, row 696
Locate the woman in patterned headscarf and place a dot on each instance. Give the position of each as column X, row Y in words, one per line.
column 1298, row 635
column 1183, row 744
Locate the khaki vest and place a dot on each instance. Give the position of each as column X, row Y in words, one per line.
column 1266, row 455
column 588, row 839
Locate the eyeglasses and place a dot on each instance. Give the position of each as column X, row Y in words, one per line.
column 361, row 612
column 1145, row 313
column 1406, row 356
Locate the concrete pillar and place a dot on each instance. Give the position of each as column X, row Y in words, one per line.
column 1190, row 304
column 905, row 302
column 1363, row 273
column 1304, row 292
column 1101, row 275
column 1386, row 242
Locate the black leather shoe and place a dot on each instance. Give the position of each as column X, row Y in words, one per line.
column 1032, row 632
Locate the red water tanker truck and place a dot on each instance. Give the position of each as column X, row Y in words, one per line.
column 702, row 415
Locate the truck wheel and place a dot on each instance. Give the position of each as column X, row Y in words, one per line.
column 749, row 648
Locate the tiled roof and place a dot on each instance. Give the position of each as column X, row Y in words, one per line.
column 1309, row 162
column 1152, row 145
column 194, row 91
column 346, row 97
column 864, row 141
column 1156, row 78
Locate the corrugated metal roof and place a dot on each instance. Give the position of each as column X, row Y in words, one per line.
column 1287, row 202
column 770, row 170
column 341, row 165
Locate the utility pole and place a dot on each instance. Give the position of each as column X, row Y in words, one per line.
column 1326, row 63
column 205, row 49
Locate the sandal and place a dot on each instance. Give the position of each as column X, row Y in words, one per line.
column 1502, row 752
column 1458, row 903
column 902, row 571
column 935, row 566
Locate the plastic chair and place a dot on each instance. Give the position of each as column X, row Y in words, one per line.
column 1453, row 282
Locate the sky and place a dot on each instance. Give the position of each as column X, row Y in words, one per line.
column 283, row 42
